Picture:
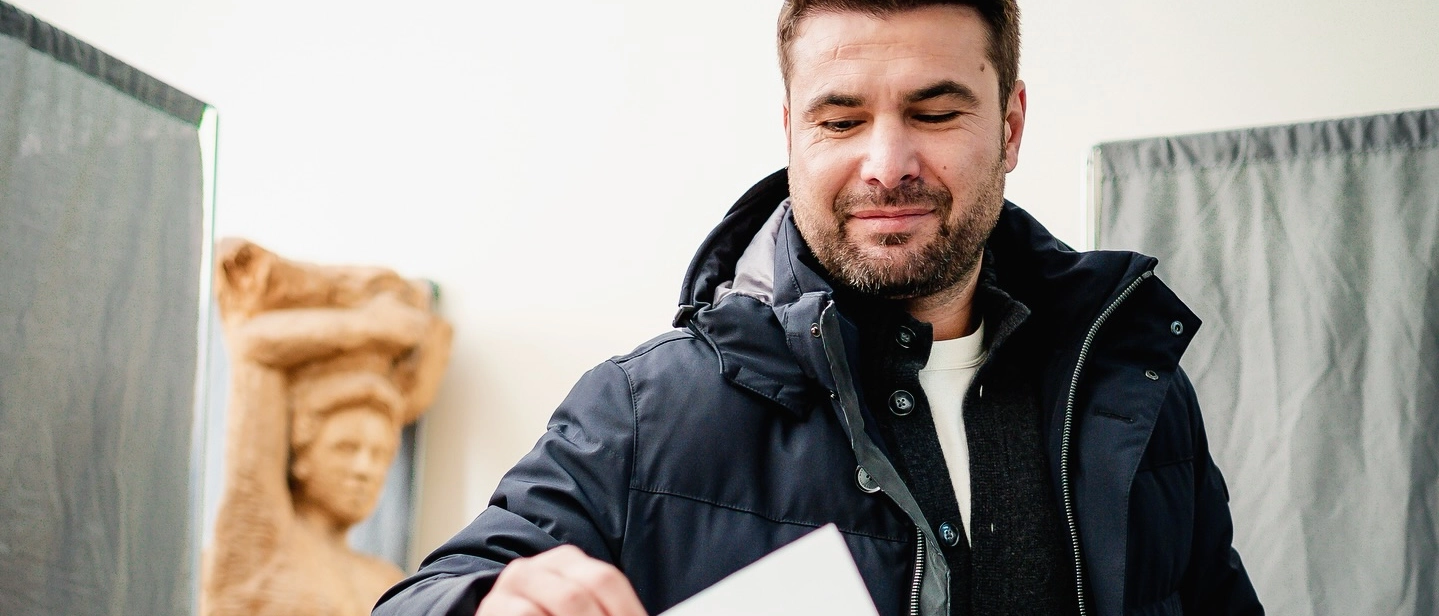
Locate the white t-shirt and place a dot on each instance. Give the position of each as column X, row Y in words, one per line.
column 945, row 379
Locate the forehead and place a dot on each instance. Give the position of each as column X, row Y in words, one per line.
column 848, row 49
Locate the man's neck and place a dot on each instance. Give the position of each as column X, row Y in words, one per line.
column 950, row 312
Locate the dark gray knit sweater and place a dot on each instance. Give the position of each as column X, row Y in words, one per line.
column 1014, row 561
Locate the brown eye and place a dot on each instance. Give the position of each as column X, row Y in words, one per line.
column 839, row 126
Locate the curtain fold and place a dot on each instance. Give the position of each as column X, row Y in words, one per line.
column 1312, row 254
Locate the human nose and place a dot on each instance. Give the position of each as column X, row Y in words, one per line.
column 891, row 158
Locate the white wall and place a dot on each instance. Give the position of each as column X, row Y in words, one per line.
column 553, row 165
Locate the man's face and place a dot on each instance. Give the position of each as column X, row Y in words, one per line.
column 898, row 146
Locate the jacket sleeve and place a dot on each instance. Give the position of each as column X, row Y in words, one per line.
column 1215, row 581
column 572, row 488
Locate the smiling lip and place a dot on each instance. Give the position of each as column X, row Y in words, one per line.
column 890, row 221
column 896, row 213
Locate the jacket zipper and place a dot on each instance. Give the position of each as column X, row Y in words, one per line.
column 1064, row 447
column 915, row 585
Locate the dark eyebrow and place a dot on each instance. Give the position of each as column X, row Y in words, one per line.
column 944, row 88
column 832, row 99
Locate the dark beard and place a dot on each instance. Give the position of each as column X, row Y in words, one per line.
column 946, row 261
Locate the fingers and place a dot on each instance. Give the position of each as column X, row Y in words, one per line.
column 548, row 587
column 561, row 582
column 610, row 588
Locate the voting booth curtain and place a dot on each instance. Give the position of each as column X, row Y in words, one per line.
column 1311, row 252
column 102, row 215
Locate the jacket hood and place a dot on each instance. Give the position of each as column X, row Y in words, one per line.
column 718, row 256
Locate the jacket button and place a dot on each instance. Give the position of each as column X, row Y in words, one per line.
column 1151, row 375
column 904, row 336
column 949, row 534
column 901, row 403
column 1176, row 327
column 867, row 484
column 814, row 330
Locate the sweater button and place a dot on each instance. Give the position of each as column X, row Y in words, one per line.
column 904, row 336
column 867, row 484
column 949, row 534
column 901, row 403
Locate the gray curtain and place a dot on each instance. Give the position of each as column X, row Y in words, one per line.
column 101, row 218
column 1312, row 254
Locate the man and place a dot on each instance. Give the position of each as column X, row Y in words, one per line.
column 876, row 339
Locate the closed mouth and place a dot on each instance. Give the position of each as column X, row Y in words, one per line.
column 882, row 213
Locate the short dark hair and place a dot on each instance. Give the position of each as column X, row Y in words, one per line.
column 1002, row 17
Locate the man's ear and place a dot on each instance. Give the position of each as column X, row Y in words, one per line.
column 788, row 147
column 1014, row 124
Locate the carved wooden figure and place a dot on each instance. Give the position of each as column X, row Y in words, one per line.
column 328, row 364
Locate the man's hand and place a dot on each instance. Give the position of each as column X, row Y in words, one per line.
column 561, row 582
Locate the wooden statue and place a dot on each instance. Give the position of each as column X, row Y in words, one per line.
column 327, row 364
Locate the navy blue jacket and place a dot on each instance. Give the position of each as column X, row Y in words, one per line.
column 711, row 446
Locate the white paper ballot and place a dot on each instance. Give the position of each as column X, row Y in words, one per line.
column 815, row 574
